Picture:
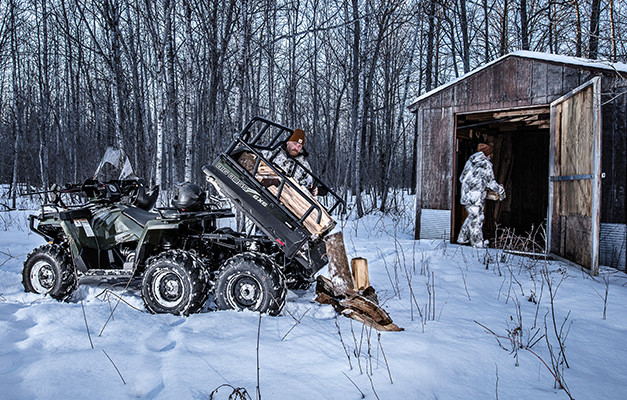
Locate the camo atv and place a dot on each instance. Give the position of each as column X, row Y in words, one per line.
column 182, row 255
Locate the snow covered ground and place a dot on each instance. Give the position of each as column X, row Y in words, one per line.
column 438, row 292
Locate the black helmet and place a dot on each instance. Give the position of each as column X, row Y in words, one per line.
column 188, row 197
column 145, row 199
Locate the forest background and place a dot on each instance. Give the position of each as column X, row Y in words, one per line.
column 172, row 81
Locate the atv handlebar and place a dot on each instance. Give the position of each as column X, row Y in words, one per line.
column 110, row 191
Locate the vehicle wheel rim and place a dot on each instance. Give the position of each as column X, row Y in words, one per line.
column 168, row 288
column 43, row 277
column 247, row 291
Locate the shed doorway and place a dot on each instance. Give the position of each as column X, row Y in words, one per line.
column 521, row 141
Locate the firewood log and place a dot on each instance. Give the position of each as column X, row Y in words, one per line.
column 354, row 306
column 297, row 203
column 339, row 272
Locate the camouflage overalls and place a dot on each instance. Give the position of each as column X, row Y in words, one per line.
column 281, row 159
column 476, row 178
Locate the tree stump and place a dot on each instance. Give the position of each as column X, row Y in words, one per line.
column 340, row 291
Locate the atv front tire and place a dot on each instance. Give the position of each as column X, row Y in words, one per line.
column 175, row 282
column 249, row 281
column 49, row 270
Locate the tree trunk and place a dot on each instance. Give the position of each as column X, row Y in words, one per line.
column 613, row 54
column 242, row 63
column 399, row 121
column 430, row 45
column 270, row 17
column 578, row 40
column 594, row 29
column 524, row 25
column 111, row 15
column 189, row 96
column 504, row 28
column 486, row 32
column 551, row 11
column 17, row 105
column 161, row 100
column 465, row 41
column 173, row 147
column 44, row 84
column 160, row 105
column 356, row 105
column 141, row 133
column 242, row 84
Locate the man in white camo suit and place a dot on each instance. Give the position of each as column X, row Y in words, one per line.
column 477, row 177
column 284, row 156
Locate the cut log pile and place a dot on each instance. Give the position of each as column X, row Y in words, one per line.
column 297, row 203
column 350, row 296
column 340, row 291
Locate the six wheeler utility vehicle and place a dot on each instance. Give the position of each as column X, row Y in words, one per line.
column 181, row 254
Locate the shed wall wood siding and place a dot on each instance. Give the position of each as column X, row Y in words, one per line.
column 516, row 82
column 437, row 173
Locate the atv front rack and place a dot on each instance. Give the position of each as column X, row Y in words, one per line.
column 268, row 205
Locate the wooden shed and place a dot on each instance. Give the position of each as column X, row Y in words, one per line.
column 558, row 127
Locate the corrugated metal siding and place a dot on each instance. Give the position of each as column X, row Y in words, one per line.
column 613, row 238
column 435, row 224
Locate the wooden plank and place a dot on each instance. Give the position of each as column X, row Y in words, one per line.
column 577, row 241
column 574, row 188
column 554, row 82
column 509, row 86
column 523, row 80
column 437, row 158
column 539, row 83
column 522, row 112
column 575, row 197
column 480, row 90
column 571, row 79
column 448, row 97
column 461, row 95
column 495, row 79
column 429, row 162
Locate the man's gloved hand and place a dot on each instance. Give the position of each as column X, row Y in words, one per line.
column 502, row 193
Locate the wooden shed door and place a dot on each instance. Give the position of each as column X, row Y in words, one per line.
column 574, row 176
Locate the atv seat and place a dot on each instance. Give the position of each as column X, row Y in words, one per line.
column 140, row 216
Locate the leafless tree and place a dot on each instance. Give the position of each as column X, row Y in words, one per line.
column 172, row 81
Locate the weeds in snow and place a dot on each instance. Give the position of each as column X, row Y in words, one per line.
column 7, row 257
column 551, row 329
column 114, row 366
column 10, row 221
column 236, row 394
column 606, row 280
column 362, row 351
column 522, row 346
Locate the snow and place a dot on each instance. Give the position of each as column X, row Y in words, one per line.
column 46, row 352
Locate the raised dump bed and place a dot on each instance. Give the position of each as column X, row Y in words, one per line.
column 284, row 210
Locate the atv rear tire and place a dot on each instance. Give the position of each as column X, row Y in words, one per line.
column 175, row 282
column 49, row 270
column 249, row 281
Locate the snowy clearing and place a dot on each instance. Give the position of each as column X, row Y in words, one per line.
column 439, row 293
